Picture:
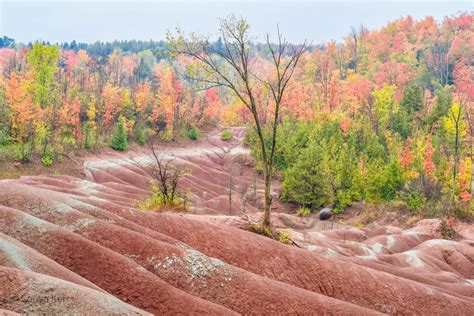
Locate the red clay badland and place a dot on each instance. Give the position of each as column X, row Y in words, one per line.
column 81, row 246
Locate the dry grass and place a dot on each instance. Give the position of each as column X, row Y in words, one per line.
column 12, row 170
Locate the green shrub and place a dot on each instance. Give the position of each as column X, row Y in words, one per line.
column 227, row 135
column 154, row 202
column 157, row 201
column 193, row 132
column 391, row 180
column 89, row 131
column 343, row 199
column 47, row 159
column 303, row 212
column 167, row 135
column 23, row 153
column 181, row 131
column 413, row 200
column 68, row 142
column 119, row 139
column 42, row 134
column 5, row 139
column 140, row 135
column 465, row 211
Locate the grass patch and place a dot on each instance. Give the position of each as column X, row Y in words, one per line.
column 227, row 135
column 281, row 236
column 413, row 219
column 303, row 212
column 284, row 237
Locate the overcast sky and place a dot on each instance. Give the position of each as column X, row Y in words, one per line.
column 317, row 21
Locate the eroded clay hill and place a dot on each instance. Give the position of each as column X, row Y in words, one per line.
column 82, row 246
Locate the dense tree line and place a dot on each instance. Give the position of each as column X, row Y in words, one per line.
column 385, row 115
column 6, row 42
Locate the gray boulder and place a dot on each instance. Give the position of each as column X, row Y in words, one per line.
column 325, row 213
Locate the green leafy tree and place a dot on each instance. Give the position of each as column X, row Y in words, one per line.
column 440, row 108
column 391, row 180
column 119, row 139
column 88, row 136
column 385, row 107
column 455, row 126
column 43, row 60
column 90, row 127
column 324, row 170
column 402, row 123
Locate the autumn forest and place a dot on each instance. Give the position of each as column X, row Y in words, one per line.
column 383, row 115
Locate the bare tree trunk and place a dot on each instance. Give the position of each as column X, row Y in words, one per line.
column 268, row 198
column 456, row 118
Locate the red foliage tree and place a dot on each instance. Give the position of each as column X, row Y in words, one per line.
column 407, row 154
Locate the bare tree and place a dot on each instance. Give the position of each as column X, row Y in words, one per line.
column 357, row 38
column 355, row 46
column 243, row 195
column 166, row 175
column 232, row 68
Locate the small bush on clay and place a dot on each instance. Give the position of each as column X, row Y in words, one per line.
column 303, row 212
column 227, row 135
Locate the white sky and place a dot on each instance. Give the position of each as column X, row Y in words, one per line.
column 317, row 21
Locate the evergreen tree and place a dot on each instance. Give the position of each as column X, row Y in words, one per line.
column 306, row 181
column 140, row 135
column 119, row 140
column 441, row 107
column 89, row 135
column 5, row 41
column 412, row 100
column 193, row 132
